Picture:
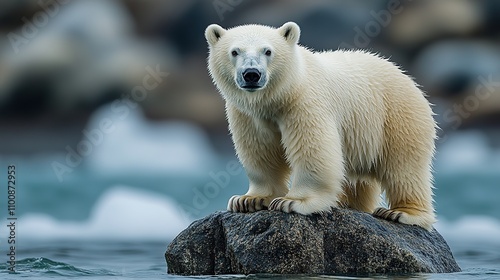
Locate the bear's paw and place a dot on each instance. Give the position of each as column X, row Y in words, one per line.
column 282, row 204
column 410, row 216
column 248, row 203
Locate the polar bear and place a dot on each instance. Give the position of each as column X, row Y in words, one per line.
column 316, row 130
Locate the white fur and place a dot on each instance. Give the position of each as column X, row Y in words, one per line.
column 339, row 124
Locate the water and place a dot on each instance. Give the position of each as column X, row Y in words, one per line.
column 92, row 260
column 100, row 223
column 144, row 260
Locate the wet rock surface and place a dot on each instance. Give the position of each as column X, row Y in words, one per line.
column 344, row 242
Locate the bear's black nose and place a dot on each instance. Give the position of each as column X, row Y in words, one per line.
column 251, row 75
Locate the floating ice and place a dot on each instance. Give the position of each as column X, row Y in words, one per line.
column 135, row 145
column 121, row 213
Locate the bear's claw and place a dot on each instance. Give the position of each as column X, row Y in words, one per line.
column 388, row 214
column 245, row 203
column 407, row 215
column 282, row 204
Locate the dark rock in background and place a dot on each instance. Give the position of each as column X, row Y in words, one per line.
column 343, row 242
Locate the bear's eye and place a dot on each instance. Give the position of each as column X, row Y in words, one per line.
column 268, row 53
column 234, row 53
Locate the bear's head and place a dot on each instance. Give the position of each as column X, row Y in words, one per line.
column 251, row 58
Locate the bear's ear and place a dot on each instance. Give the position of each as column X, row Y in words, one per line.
column 290, row 31
column 213, row 33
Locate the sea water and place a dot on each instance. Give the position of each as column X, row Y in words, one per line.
column 113, row 215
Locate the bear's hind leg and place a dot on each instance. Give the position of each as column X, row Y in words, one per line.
column 410, row 202
column 407, row 214
column 405, row 167
column 364, row 196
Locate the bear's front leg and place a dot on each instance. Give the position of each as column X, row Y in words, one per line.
column 257, row 143
column 314, row 150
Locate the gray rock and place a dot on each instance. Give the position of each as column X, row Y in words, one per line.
column 343, row 242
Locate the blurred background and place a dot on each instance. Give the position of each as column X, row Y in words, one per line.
column 116, row 131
